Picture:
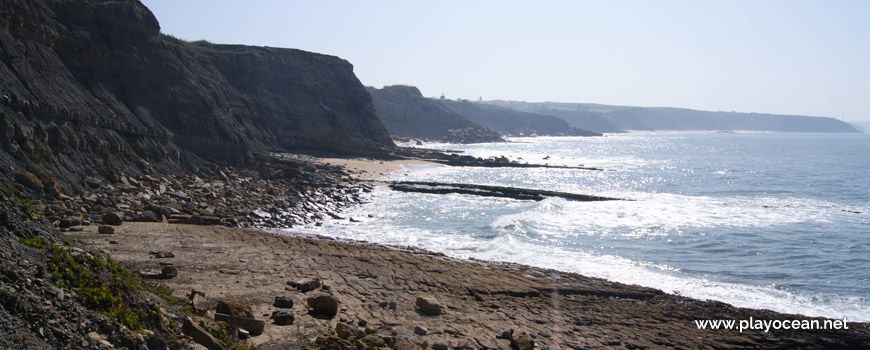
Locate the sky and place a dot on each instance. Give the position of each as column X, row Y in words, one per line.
column 773, row 56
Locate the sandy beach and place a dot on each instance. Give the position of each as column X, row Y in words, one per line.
column 377, row 286
column 369, row 169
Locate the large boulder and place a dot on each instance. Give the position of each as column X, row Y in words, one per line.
column 114, row 219
column 253, row 326
column 198, row 302
column 283, row 302
column 282, row 318
column 523, row 342
column 234, row 308
column 323, row 304
column 429, row 305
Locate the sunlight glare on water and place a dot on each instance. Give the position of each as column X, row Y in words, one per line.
column 776, row 221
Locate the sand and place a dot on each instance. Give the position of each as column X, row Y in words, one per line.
column 481, row 300
column 369, row 169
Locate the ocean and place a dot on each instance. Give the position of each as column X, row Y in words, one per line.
column 762, row 220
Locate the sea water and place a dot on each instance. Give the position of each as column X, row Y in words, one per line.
column 762, row 220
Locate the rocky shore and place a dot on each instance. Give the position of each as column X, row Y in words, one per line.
column 211, row 285
column 135, row 165
column 317, row 292
column 270, row 198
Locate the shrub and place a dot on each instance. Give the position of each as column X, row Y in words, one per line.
column 33, row 242
column 102, row 285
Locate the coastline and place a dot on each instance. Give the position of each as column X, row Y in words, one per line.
column 376, row 287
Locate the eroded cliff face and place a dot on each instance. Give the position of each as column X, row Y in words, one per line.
column 92, row 86
column 406, row 113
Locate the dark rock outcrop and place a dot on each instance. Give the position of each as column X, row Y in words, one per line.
column 491, row 191
column 407, row 114
column 323, row 305
column 91, row 88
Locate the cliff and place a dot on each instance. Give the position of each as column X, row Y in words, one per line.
column 606, row 118
column 406, row 113
column 93, row 87
column 514, row 123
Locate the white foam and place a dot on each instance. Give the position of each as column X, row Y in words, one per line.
column 579, row 236
column 513, row 238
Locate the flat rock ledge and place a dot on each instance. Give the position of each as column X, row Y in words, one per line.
column 492, row 191
column 379, row 296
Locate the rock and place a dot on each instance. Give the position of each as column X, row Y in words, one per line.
column 243, row 334
column 346, row 331
column 323, row 304
column 69, row 222
column 169, row 272
column 249, row 323
column 164, row 211
column 206, row 220
column 371, row 341
column 151, row 274
column 106, row 230
column 57, row 292
column 198, row 302
column 305, row 285
column 523, row 342
column 113, row 219
column 439, row 346
column 162, row 255
column 401, row 334
column 234, row 308
column 53, row 190
column 462, row 345
column 201, row 336
column 97, row 339
column 259, row 213
column 30, row 181
column 428, row 305
column 148, row 216
column 420, row 330
column 403, row 344
column 282, row 318
column 332, row 343
column 283, row 302
column 508, row 335
column 93, row 182
column 177, row 195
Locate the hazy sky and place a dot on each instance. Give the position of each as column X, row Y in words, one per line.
column 790, row 57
